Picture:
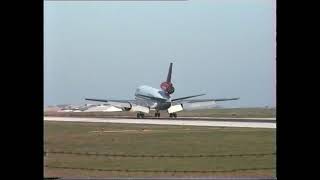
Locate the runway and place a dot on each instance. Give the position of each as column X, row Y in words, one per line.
column 177, row 178
column 254, row 123
column 233, row 119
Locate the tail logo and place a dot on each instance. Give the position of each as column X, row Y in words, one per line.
column 167, row 86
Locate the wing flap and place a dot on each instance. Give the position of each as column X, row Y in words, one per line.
column 197, row 104
column 115, row 103
column 227, row 99
column 207, row 100
column 187, row 97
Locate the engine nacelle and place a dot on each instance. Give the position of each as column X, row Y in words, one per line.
column 175, row 108
column 167, row 87
column 135, row 108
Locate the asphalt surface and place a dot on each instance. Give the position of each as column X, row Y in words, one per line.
column 236, row 119
column 187, row 178
column 227, row 122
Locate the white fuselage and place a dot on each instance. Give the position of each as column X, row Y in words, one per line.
column 157, row 99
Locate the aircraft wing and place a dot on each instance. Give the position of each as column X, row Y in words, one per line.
column 203, row 100
column 115, row 103
column 199, row 103
column 187, row 97
column 124, row 104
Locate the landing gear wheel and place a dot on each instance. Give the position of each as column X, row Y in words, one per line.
column 174, row 115
column 140, row 115
column 157, row 114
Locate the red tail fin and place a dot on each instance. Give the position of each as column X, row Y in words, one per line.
column 167, row 85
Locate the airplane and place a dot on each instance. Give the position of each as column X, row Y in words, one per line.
column 148, row 98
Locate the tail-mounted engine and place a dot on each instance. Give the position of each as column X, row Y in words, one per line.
column 167, row 85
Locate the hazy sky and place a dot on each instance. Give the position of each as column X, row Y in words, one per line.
column 224, row 48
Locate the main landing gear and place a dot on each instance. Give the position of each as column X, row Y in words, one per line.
column 140, row 115
column 173, row 115
column 157, row 114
